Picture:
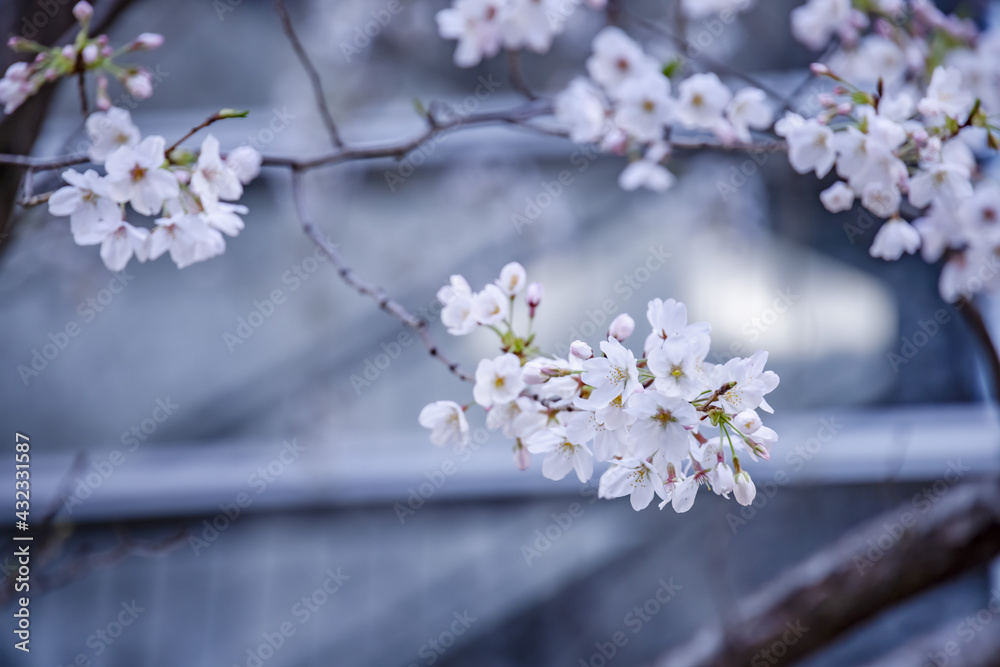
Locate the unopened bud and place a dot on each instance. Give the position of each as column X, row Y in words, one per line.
column 747, row 422
column 232, row 113
column 147, row 41
column 534, row 295
column 621, row 327
column 90, row 54
column 139, row 85
column 819, row 69
column 17, row 43
column 581, row 350
column 102, row 100
column 521, row 456
column 760, row 450
column 745, row 491
column 533, row 373
column 83, row 11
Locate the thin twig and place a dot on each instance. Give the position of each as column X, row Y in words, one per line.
column 515, row 116
column 82, row 87
column 348, row 275
column 42, row 163
column 317, row 85
column 716, row 65
column 127, row 546
column 215, row 117
column 516, row 75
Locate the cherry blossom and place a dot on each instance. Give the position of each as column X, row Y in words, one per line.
column 447, row 422
column 136, row 176
column 457, row 312
column 122, row 243
column 617, row 60
column 498, row 380
column 582, row 110
column 667, row 424
column 87, row 202
column 512, row 279
column 748, row 109
column 562, row 455
column 895, row 237
column 212, row 178
column 702, row 100
column 109, row 131
column 634, row 478
column 838, row 197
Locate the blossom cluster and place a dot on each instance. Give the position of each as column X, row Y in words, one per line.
column 914, row 94
column 191, row 194
column 627, row 106
column 667, row 423
column 483, row 27
column 85, row 54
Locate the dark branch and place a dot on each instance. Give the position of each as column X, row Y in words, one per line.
column 314, row 80
column 365, row 288
column 842, row 586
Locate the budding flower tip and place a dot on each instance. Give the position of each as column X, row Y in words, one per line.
column 534, row 294
column 82, row 11
column 147, row 41
column 232, row 113
column 820, row 69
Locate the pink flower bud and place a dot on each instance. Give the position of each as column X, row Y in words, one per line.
column 21, row 44
column 90, row 54
column 83, row 11
column 581, row 350
column 819, row 69
column 103, row 101
column 826, row 99
column 535, row 293
column 845, row 108
column 521, row 456
column 147, row 41
column 183, row 176
column 139, row 85
column 621, row 327
column 533, row 372
column 68, row 52
column 745, row 490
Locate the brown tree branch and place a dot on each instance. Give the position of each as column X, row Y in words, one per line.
column 945, row 643
column 850, row 582
column 314, row 80
column 365, row 288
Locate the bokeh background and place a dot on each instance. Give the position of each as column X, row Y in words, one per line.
column 497, row 566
